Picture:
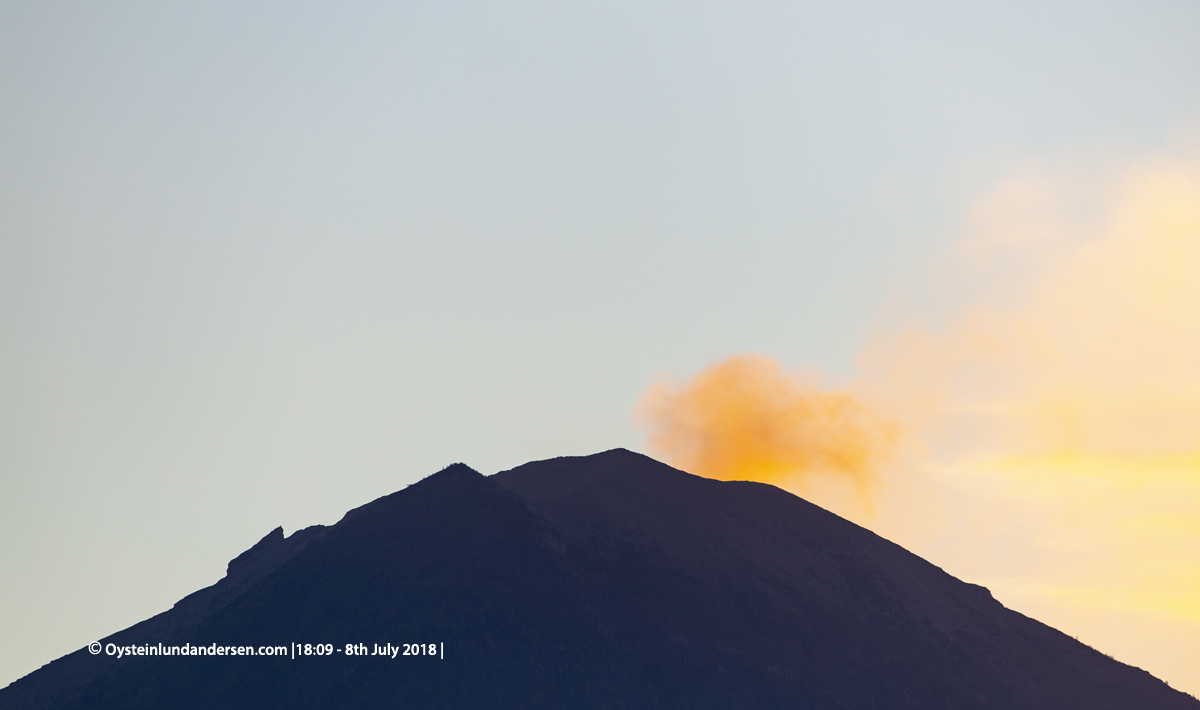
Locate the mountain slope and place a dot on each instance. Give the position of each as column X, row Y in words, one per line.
column 832, row 604
column 603, row 581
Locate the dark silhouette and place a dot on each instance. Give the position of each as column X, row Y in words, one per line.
column 606, row 581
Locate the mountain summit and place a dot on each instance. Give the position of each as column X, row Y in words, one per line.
column 605, row 581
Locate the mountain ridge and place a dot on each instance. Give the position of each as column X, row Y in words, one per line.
column 609, row 580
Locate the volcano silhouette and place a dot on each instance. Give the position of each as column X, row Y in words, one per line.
column 606, row 581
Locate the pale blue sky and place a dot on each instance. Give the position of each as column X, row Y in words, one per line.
column 260, row 263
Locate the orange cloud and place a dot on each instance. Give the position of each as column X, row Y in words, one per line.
column 747, row 419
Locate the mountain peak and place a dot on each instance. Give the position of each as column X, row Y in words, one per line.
column 457, row 469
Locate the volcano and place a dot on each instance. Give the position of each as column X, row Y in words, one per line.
column 605, row 581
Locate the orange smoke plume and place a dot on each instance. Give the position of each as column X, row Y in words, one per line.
column 747, row 419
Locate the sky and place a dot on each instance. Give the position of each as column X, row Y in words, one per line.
column 262, row 262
